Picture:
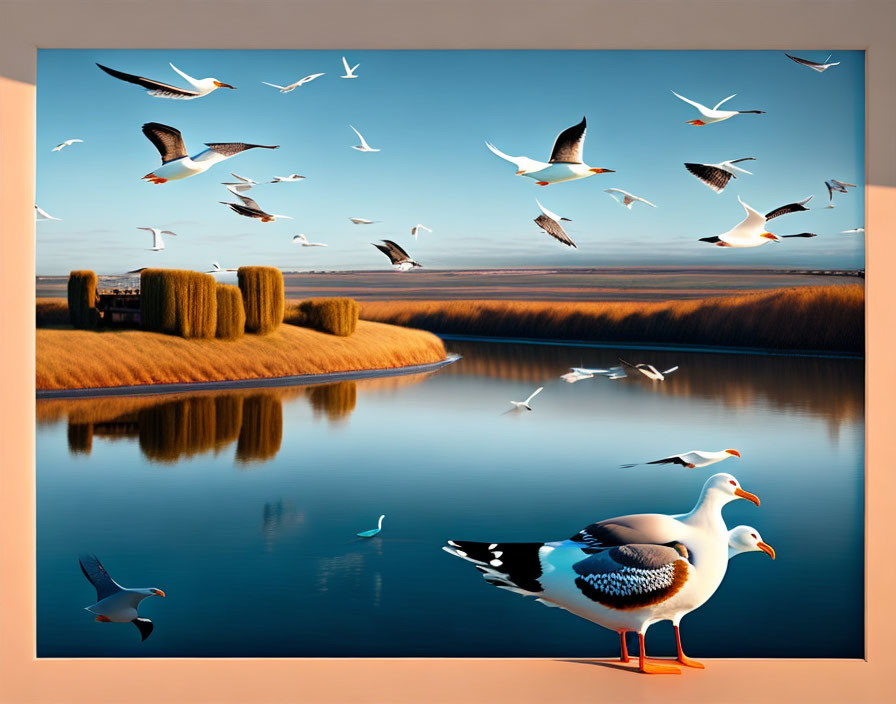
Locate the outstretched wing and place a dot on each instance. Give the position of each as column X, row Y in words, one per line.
column 512, row 159
column 712, row 176
column 554, row 229
column 569, row 144
column 397, row 250
column 159, row 90
column 233, row 148
column 804, row 62
column 144, row 625
column 633, row 576
column 167, row 140
column 675, row 459
column 387, row 250
column 96, row 574
column 723, row 101
column 789, row 208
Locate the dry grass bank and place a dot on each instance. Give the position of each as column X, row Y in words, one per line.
column 829, row 318
column 69, row 358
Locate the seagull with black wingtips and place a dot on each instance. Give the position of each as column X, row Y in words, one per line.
column 201, row 86
column 550, row 223
column 751, row 232
column 717, row 176
column 400, row 259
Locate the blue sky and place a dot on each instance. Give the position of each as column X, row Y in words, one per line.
column 430, row 113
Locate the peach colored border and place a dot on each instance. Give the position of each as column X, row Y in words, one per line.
column 458, row 24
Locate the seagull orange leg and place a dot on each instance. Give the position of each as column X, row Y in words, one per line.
column 543, row 183
column 682, row 658
column 649, row 668
column 623, row 657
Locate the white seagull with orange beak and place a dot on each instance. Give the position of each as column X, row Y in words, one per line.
column 201, row 86
column 692, row 458
column 711, row 115
column 751, row 232
column 566, row 162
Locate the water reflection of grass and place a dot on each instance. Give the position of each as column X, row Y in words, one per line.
column 262, row 429
column 337, row 401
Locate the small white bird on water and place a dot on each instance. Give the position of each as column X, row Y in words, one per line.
column 158, row 244
column 176, row 164
column 692, row 458
column 821, row 67
column 717, row 176
column 303, row 240
column 650, row 371
column 549, row 221
column 114, row 603
column 565, row 162
column 373, row 531
column 363, row 146
column 349, row 72
column 711, row 115
column 66, row 143
column 41, row 214
column 750, row 232
column 201, row 86
column 416, row 228
column 292, row 86
column 627, row 198
column 525, row 404
column 292, row 178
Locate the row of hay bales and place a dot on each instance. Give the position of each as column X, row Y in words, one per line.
column 193, row 305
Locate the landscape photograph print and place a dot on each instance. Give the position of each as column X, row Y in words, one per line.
column 367, row 354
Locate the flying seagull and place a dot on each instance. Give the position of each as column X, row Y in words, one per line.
column 250, row 209
column 114, row 603
column 349, row 72
column 242, row 183
column 517, row 405
column 158, row 243
column 364, row 146
column 363, row 221
column 399, row 258
column 648, row 370
column 839, row 186
column 287, row 179
column 627, row 198
column 814, row 65
column 550, row 223
column 216, row 269
column 175, row 162
column 41, row 214
column 293, row 86
column 574, row 376
column 711, row 115
column 379, row 524
column 692, row 458
column 201, row 87
column 717, row 176
column 302, row 240
column 66, row 143
column 416, row 228
column 750, row 232
column 853, row 231
column 565, row 163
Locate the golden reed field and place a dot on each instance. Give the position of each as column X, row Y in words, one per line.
column 825, row 318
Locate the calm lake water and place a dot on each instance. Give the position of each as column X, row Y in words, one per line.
column 243, row 506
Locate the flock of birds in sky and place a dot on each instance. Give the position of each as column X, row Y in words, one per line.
column 566, row 163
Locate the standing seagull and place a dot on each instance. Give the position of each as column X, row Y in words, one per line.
column 839, row 186
column 399, row 258
column 692, row 458
column 714, row 114
column 114, row 603
column 627, row 198
column 750, row 232
column 66, row 143
column 717, row 176
column 416, row 228
column 41, row 214
column 202, row 86
column 158, row 243
column 287, row 179
column 250, row 209
column 648, row 370
column 525, row 404
column 175, row 162
column 550, row 223
column 566, row 159
column 364, row 146
column 292, row 86
column 349, row 72
column 814, row 65
column 302, row 240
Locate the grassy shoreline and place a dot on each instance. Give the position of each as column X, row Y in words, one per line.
column 70, row 359
column 819, row 318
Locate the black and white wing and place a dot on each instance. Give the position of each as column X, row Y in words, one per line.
column 712, row 176
column 155, row 88
column 569, row 144
column 515, row 567
column 234, row 148
column 96, row 574
column 804, row 62
column 389, row 252
column 399, row 253
column 674, row 459
column 633, row 576
column 554, row 229
column 167, row 140
column 144, row 625
column 789, row 208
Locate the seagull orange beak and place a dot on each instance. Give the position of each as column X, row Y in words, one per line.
column 158, row 592
column 733, row 452
column 602, row 171
column 740, row 493
column 520, row 172
column 766, row 548
column 218, row 84
column 769, row 236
